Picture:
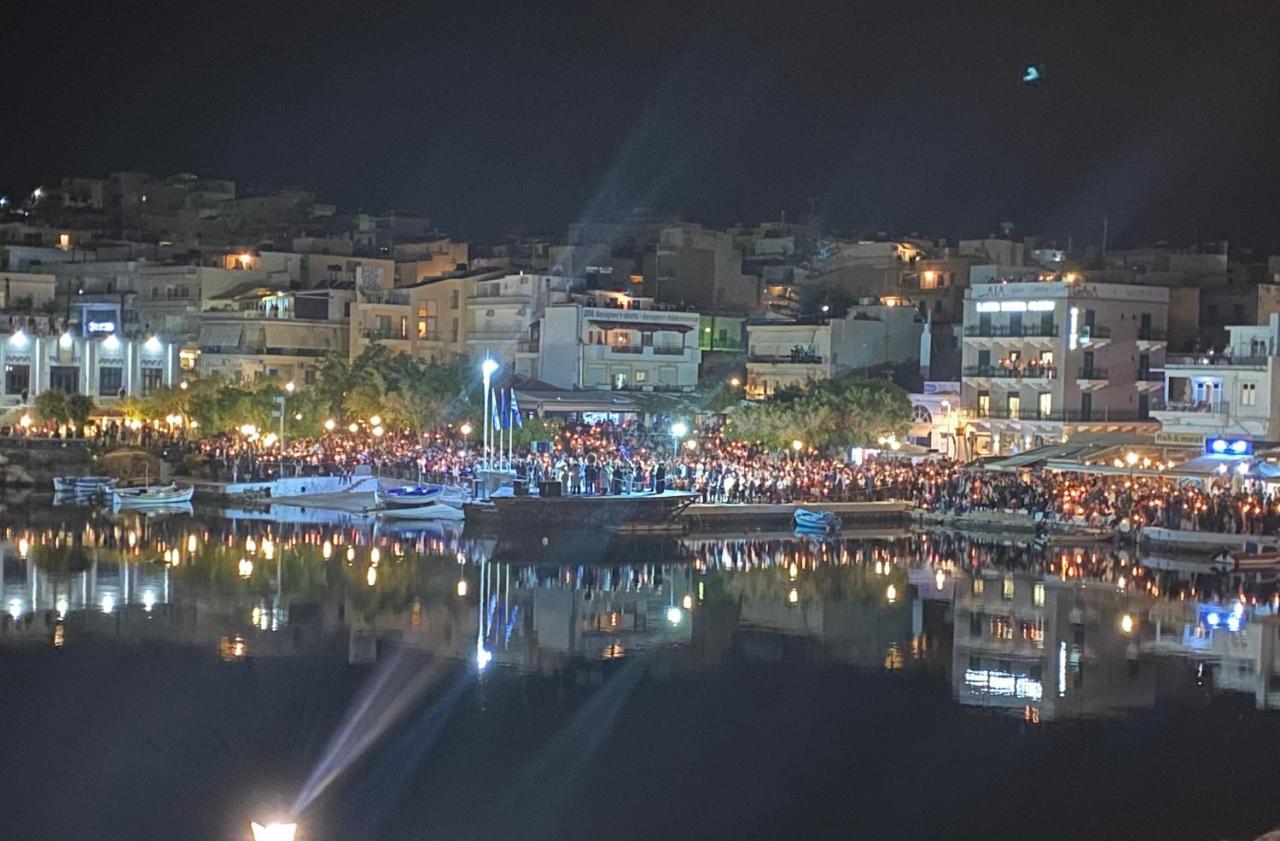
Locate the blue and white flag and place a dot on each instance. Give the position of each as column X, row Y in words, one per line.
column 515, row 411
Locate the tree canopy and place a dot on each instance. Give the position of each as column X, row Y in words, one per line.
column 836, row 413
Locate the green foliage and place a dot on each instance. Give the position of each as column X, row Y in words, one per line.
column 537, row 429
column 836, row 413
column 51, row 407
column 79, row 407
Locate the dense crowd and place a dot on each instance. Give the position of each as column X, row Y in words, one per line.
column 606, row 458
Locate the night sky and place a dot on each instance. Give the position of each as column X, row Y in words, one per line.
column 895, row 116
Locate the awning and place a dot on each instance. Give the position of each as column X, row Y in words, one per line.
column 642, row 326
column 221, row 335
column 1208, row 465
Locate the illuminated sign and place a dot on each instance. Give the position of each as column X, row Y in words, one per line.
column 1015, row 306
column 988, row 306
column 1073, row 340
column 1228, row 446
column 101, row 327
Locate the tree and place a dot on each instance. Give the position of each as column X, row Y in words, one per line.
column 51, row 407
column 837, row 413
column 79, row 407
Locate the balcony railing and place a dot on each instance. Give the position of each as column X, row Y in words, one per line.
column 1060, row 416
column 376, row 335
column 1092, row 374
column 1025, row 331
column 1152, row 335
column 626, row 349
column 668, row 351
column 1196, row 406
column 429, row 336
column 1150, row 376
column 1189, row 359
column 1096, row 331
column 785, row 358
column 1037, row 372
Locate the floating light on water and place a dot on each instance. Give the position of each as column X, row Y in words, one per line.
column 674, row 615
column 108, row 603
column 326, row 551
column 192, row 543
column 375, row 555
column 793, row 596
column 687, row 602
column 939, row 579
column 372, row 576
column 351, row 554
column 268, row 549
column 891, row 594
column 15, row 609
column 148, row 599
column 1126, row 623
column 250, row 545
column 246, row 567
column 24, row 546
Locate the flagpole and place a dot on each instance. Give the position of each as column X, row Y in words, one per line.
column 511, row 433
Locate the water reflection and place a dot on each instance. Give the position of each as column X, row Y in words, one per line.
column 1042, row 634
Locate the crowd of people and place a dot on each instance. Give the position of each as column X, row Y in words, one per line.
column 610, row 459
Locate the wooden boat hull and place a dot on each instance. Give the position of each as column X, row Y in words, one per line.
column 433, row 511
column 152, row 497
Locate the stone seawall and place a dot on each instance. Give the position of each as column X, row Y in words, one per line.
column 26, row 462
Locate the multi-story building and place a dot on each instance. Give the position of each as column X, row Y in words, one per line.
column 788, row 353
column 501, row 310
column 1233, row 392
column 702, row 270
column 35, row 357
column 419, row 261
column 1042, row 361
column 427, row 320
column 624, row 344
column 272, row 334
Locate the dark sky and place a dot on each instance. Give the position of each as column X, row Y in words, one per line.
column 899, row 116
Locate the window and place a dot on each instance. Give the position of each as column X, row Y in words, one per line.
column 453, row 300
column 977, row 586
column 17, row 379
column 64, row 378
column 152, row 379
column 1248, row 394
column 1045, row 404
column 1037, row 594
column 404, row 327
column 984, row 403
column 110, row 380
column 428, row 321
column 1014, row 404
column 1006, row 589
column 453, row 330
column 641, row 376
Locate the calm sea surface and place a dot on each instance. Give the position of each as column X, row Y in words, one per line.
column 178, row 675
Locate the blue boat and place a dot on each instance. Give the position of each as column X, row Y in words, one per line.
column 409, row 496
column 822, row 521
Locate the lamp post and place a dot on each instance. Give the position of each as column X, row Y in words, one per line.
column 487, row 369
column 679, row 429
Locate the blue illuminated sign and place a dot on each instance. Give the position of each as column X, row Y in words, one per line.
column 1228, row 446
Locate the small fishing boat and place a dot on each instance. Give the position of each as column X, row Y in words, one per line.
column 152, row 495
column 408, row 496
column 64, row 484
column 94, row 485
column 429, row 511
column 816, row 520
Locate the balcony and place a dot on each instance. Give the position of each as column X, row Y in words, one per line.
column 1095, row 331
column 1000, row 331
column 1060, row 415
column 1198, row 407
column 1195, row 360
column 1002, row 372
column 377, row 335
column 629, row 349
column 1092, row 374
column 1153, row 335
column 668, row 351
column 786, row 358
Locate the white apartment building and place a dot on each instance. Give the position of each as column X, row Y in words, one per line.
column 501, row 309
column 35, row 360
column 1232, row 393
column 626, row 345
column 788, row 353
column 1042, row 361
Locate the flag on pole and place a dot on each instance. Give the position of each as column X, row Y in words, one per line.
column 497, row 416
column 503, row 412
column 515, row 411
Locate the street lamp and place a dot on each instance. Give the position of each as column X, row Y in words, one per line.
column 797, row 445
column 487, row 369
column 735, row 382
column 329, row 424
column 466, row 429
column 679, row 429
column 375, row 420
column 273, row 831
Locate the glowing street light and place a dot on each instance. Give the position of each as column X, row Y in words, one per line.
column 1126, row 624
column 329, row 424
column 352, row 427
column 735, row 382
column 273, row 831
column 674, row 615
column 797, row 445
column 466, row 429
column 375, row 420
column 290, row 386
column 487, row 369
column 377, row 431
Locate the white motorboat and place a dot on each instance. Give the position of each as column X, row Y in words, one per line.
column 408, row 496
column 152, row 495
column 429, row 511
column 823, row 521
